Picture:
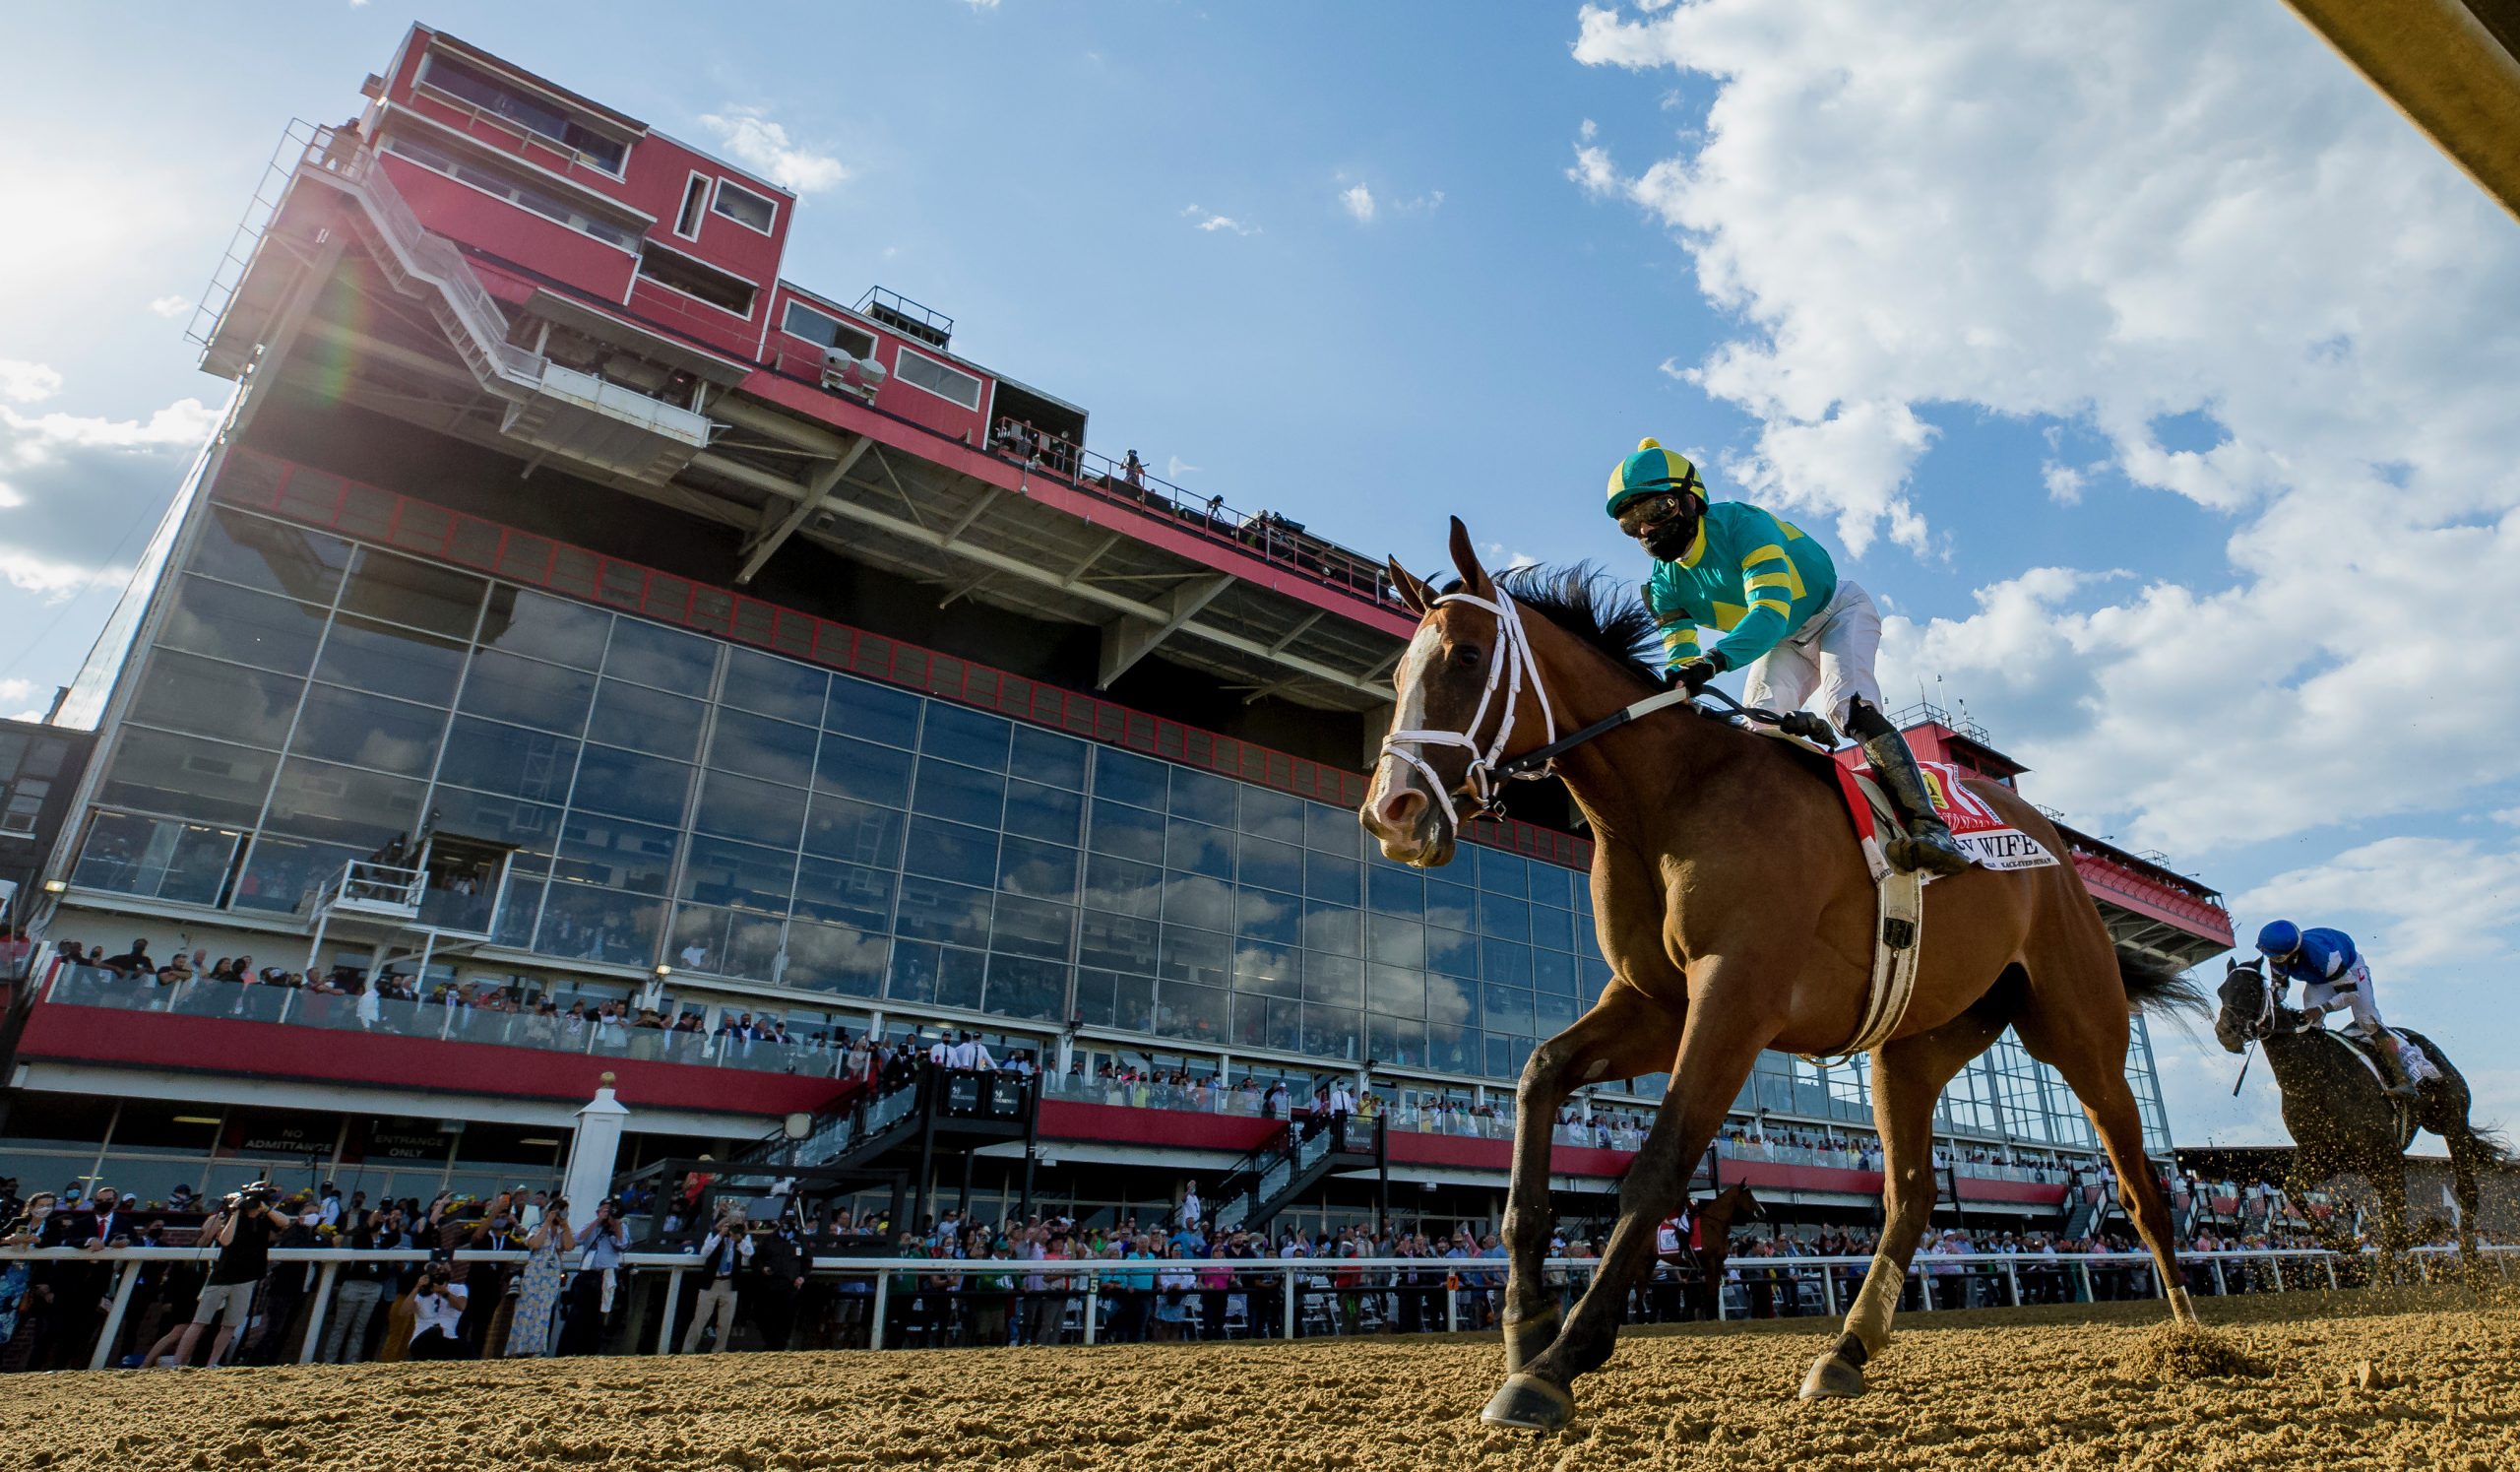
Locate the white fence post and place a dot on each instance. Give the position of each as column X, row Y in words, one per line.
column 113, row 1317
column 673, row 1296
column 1092, row 1304
column 1925, row 1289
column 2012, row 1275
column 315, row 1317
column 1290, row 1315
column 1829, row 1290
column 2082, row 1274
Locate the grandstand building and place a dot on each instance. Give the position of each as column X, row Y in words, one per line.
column 573, row 610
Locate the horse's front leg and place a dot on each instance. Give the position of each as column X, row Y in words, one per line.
column 1623, row 1036
column 1718, row 1044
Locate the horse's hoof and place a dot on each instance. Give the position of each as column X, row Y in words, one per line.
column 1836, row 1375
column 1529, row 1404
column 1525, row 1340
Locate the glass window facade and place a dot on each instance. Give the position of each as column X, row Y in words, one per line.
column 665, row 798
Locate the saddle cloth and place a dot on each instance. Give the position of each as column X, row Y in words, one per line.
column 2418, row 1064
column 1981, row 832
column 2419, row 1067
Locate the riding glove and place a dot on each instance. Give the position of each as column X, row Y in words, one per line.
column 1695, row 674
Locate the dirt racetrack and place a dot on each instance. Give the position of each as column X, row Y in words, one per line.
column 2064, row 1387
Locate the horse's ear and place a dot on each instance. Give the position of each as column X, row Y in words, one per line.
column 1474, row 578
column 1414, row 594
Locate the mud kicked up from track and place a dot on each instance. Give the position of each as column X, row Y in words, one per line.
column 2294, row 1381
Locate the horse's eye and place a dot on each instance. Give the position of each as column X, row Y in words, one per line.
column 1468, row 657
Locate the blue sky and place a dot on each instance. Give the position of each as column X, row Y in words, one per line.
column 2075, row 348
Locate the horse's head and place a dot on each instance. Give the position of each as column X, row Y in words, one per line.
column 1731, row 1206
column 1464, row 696
column 2247, row 1011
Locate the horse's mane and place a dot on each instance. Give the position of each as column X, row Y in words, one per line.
column 1594, row 606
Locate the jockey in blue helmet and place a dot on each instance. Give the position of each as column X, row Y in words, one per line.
column 2329, row 968
column 1786, row 616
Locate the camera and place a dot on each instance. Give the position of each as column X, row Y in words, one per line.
column 259, row 1193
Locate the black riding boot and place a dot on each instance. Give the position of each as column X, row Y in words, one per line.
column 1928, row 845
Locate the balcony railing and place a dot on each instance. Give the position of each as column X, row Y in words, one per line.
column 406, row 1017
column 1264, row 535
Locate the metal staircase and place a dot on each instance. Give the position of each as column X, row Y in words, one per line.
column 899, row 1133
column 1295, row 1159
column 547, row 408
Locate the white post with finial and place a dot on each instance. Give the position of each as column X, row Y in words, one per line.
column 594, row 1152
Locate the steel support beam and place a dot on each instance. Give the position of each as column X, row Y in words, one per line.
column 817, row 491
column 1131, row 640
column 1052, row 577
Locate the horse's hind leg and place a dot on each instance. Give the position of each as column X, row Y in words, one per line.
column 1623, row 1035
column 2097, row 1076
column 1908, row 1075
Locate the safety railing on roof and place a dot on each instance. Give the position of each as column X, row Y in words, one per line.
column 1265, row 534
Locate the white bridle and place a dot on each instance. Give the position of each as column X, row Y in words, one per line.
column 1511, row 664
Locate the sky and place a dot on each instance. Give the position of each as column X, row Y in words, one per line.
column 2151, row 372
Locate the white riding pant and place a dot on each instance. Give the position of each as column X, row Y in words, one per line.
column 2353, row 985
column 1830, row 656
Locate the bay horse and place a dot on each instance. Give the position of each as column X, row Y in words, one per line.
column 2344, row 1122
column 1714, row 1219
column 1736, row 912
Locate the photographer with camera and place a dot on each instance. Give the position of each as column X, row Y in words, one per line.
column 726, row 1252
column 437, row 1320
column 242, row 1229
column 599, row 1245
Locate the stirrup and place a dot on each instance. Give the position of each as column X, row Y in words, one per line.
column 1919, row 849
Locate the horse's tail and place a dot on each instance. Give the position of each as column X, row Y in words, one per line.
column 2153, row 986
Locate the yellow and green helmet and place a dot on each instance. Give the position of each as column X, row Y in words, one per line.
column 1651, row 470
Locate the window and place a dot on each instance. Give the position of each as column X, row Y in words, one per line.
column 524, row 196
column 922, row 371
column 745, row 207
column 829, row 331
column 528, row 111
column 24, row 805
column 695, row 199
column 677, row 272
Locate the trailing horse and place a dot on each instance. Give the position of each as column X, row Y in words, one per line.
column 1738, row 912
column 2344, row 1121
column 1715, row 1218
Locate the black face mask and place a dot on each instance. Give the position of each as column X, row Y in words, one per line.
column 1670, row 541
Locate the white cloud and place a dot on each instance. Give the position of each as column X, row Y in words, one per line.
column 2175, row 212
column 27, row 383
column 74, row 488
column 2063, row 482
column 752, row 139
column 1212, row 221
column 1363, row 205
column 171, row 307
column 1175, row 468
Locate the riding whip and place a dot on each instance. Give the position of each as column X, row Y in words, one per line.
column 2245, row 1057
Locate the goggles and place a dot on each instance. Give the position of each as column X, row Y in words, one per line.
column 1651, row 513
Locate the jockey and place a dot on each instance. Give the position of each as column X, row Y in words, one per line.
column 1786, row 615
column 2328, row 968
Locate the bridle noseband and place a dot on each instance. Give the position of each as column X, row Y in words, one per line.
column 1510, row 663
